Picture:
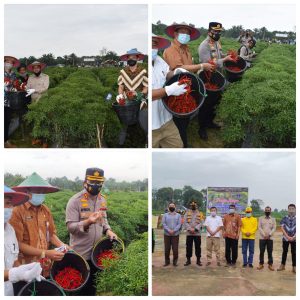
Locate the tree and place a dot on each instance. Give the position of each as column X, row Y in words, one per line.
column 48, row 59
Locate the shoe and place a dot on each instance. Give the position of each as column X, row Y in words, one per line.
column 175, row 263
column 188, row 262
column 199, row 262
column 281, row 268
column 271, row 268
column 244, row 265
column 250, row 266
column 208, row 263
column 260, row 267
column 203, row 134
column 166, row 264
column 213, row 125
column 294, row 270
column 218, row 264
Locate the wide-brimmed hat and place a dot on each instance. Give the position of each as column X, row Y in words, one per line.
column 36, row 63
column 35, row 184
column 17, row 198
column 162, row 43
column 215, row 26
column 133, row 51
column 194, row 32
column 16, row 62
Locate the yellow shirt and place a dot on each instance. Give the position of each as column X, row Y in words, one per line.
column 249, row 225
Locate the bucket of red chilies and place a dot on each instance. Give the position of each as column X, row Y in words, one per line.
column 188, row 104
column 106, row 250
column 234, row 69
column 71, row 273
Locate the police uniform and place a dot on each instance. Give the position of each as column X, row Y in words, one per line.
column 82, row 240
column 193, row 219
column 210, row 50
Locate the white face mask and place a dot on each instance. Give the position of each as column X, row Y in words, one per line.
column 8, row 66
column 213, row 213
column 37, row 199
column 7, row 214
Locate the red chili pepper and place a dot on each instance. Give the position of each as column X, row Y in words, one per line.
column 122, row 102
column 69, row 278
column 234, row 55
column 234, row 68
column 106, row 256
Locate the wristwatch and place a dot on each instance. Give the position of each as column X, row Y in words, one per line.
column 43, row 255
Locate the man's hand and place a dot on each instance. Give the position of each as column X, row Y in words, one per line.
column 94, row 218
column 192, row 230
column 248, row 234
column 175, row 89
column 208, row 67
column 54, row 255
column 111, row 235
column 228, row 58
column 25, row 273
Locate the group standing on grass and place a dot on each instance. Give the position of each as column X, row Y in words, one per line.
column 171, row 131
column 30, row 232
column 231, row 226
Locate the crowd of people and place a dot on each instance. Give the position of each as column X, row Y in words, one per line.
column 230, row 226
column 170, row 131
column 31, row 242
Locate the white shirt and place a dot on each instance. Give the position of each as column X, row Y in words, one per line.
column 11, row 251
column 213, row 223
column 160, row 115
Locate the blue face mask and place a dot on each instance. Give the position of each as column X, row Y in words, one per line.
column 154, row 54
column 7, row 214
column 231, row 210
column 248, row 215
column 183, row 38
column 37, row 199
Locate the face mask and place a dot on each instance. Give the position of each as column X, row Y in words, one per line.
column 131, row 62
column 7, row 214
column 23, row 75
column 8, row 65
column 37, row 199
column 183, row 38
column 37, row 74
column 248, row 215
column 171, row 209
column 215, row 36
column 154, row 54
column 213, row 213
column 267, row 213
column 193, row 207
column 93, row 189
column 231, row 210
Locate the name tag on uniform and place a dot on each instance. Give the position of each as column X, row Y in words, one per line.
column 85, row 209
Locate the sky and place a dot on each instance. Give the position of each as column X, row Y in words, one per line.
column 121, row 165
column 272, row 16
column 80, row 29
column 270, row 176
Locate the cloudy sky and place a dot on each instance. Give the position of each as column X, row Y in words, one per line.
column 272, row 16
column 269, row 176
column 80, row 29
column 121, row 165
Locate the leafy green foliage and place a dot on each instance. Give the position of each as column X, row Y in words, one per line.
column 127, row 276
column 260, row 110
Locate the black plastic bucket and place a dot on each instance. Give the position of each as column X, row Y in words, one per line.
column 106, row 244
column 16, row 100
column 128, row 114
column 235, row 75
column 76, row 261
column 198, row 93
column 216, row 78
column 41, row 288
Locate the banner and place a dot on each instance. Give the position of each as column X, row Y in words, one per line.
column 222, row 197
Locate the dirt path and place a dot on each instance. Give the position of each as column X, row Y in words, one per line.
column 219, row 281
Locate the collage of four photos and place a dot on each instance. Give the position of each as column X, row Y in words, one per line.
column 193, row 192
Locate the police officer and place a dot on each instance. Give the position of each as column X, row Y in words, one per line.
column 86, row 221
column 211, row 50
column 193, row 220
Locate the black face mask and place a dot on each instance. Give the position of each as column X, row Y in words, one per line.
column 171, row 209
column 215, row 36
column 93, row 189
column 193, row 207
column 131, row 62
column 38, row 73
column 267, row 213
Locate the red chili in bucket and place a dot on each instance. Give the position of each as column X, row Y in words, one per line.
column 234, row 68
column 104, row 257
column 69, row 278
column 184, row 103
column 233, row 54
column 209, row 85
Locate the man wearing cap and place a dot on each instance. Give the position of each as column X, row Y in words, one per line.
column 10, row 77
column 178, row 55
column 165, row 134
column 34, row 225
column 38, row 82
column 245, row 51
column 86, row 221
column 193, row 221
column 249, row 228
column 12, row 271
column 133, row 81
column 210, row 50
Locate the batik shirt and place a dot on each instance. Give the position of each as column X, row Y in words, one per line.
column 289, row 225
